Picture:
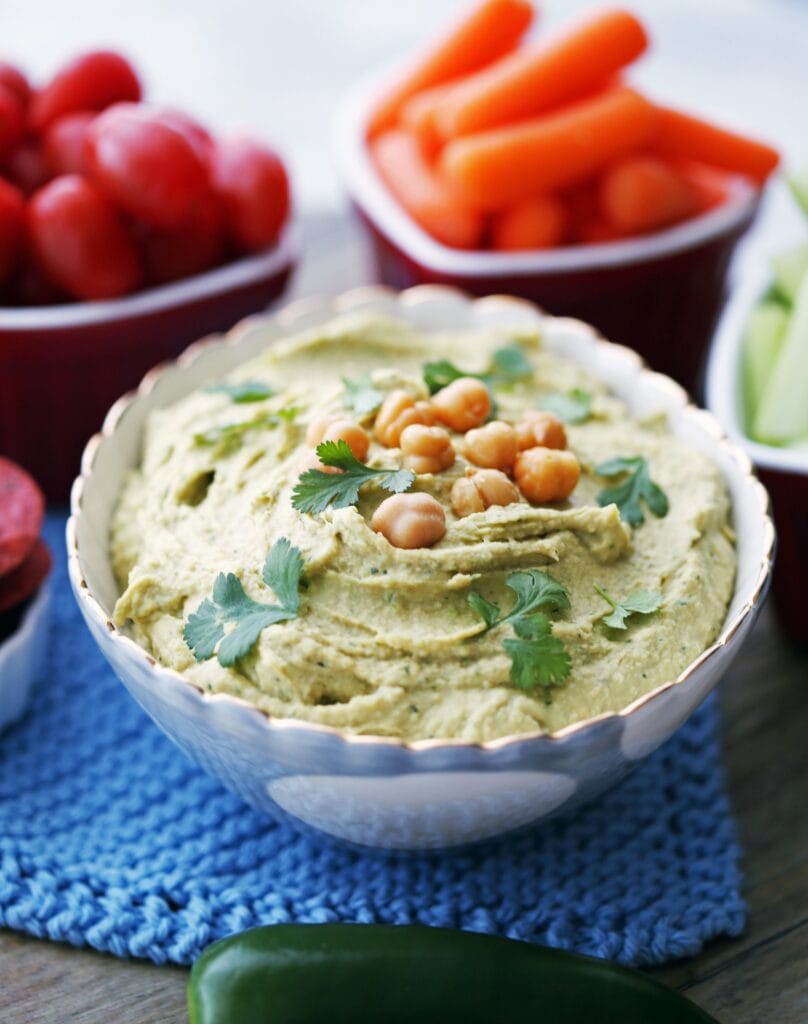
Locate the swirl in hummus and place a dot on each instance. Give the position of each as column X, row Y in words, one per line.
column 385, row 641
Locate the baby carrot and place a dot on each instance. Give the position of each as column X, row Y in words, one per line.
column 506, row 165
column 418, row 116
column 682, row 135
column 710, row 186
column 532, row 224
column 531, row 82
column 489, row 31
column 642, row 193
column 428, row 200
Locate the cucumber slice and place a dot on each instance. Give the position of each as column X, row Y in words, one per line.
column 783, row 412
column 761, row 345
column 799, row 186
column 790, row 268
column 800, row 445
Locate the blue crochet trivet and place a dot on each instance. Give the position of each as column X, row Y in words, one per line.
column 110, row 838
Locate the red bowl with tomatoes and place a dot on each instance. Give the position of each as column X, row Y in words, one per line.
column 126, row 231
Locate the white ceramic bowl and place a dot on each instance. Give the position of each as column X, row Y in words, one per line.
column 379, row 791
column 21, row 658
column 784, row 471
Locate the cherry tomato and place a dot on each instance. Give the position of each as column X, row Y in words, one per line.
column 171, row 253
column 79, row 240
column 12, row 121
column 12, row 227
column 145, row 166
column 64, row 143
column 26, row 167
column 12, row 78
column 198, row 136
column 92, row 81
column 251, row 181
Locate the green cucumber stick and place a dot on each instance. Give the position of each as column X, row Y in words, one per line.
column 762, row 342
column 783, row 412
column 790, row 267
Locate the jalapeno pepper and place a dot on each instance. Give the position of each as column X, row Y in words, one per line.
column 379, row 974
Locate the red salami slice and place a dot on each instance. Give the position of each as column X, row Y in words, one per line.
column 21, row 509
column 19, row 584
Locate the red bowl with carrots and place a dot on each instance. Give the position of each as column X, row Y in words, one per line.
column 496, row 165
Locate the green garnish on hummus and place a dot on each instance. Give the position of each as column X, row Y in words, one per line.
column 243, row 392
column 361, row 396
column 316, row 490
column 639, row 602
column 508, row 364
column 575, row 407
column 384, row 640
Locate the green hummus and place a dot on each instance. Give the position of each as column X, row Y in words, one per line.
column 385, row 641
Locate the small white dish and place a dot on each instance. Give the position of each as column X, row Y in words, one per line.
column 381, row 791
column 21, row 658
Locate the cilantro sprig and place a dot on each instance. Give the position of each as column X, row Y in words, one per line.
column 574, row 407
column 537, row 657
column 206, row 631
column 508, row 364
column 316, row 490
column 243, row 392
column 231, row 434
column 638, row 602
column 637, row 487
column 361, row 395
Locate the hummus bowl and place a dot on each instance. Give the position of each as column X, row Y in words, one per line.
column 381, row 791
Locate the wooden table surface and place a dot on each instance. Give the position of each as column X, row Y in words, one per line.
column 760, row 977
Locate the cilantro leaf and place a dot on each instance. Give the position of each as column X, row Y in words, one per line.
column 575, row 407
column 507, row 365
column 537, row 657
column 244, row 391
column 361, row 396
column 639, row 602
column 230, row 434
column 316, row 490
column 638, row 486
column 206, row 633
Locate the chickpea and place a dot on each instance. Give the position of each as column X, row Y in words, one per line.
column 540, row 429
column 546, row 474
column 480, row 490
column 400, row 410
column 463, row 404
column 493, row 445
column 426, row 449
column 330, row 429
column 413, row 520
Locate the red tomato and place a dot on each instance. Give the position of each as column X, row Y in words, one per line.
column 251, row 181
column 90, row 82
column 171, row 253
column 145, row 166
column 199, row 137
column 26, row 167
column 12, row 121
column 79, row 240
column 64, row 143
column 12, row 78
column 12, row 227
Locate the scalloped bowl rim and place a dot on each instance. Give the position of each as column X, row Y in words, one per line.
column 331, row 306
column 237, row 273
column 368, row 191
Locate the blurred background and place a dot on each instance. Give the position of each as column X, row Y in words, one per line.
column 278, row 68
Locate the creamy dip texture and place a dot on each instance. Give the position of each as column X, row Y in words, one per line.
column 385, row 641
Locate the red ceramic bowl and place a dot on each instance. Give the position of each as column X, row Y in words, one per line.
column 61, row 367
column 660, row 294
column 784, row 471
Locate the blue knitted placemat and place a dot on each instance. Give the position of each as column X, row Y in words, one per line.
column 111, row 838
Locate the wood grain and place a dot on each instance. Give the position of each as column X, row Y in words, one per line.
column 762, row 976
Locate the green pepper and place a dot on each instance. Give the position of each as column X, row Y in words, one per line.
column 379, row 974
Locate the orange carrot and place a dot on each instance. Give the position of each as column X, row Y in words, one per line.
column 428, row 200
column 682, row 135
column 643, row 193
column 531, row 82
column 597, row 230
column 489, row 31
column 534, row 224
column 418, row 115
column 506, row 165
column 710, row 186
